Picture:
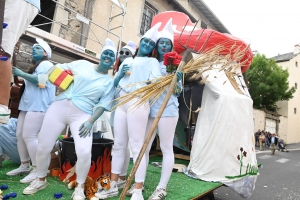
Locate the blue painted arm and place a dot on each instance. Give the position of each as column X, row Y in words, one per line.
column 29, row 77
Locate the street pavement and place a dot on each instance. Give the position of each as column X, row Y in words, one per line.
column 279, row 177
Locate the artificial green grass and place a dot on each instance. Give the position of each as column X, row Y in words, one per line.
column 54, row 185
column 180, row 186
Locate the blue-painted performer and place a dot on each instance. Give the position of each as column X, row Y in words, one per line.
column 130, row 124
column 127, row 52
column 92, row 87
column 168, row 121
column 33, row 105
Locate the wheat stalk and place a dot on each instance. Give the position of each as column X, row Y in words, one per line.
column 194, row 70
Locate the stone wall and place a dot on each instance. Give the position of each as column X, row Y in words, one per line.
column 68, row 34
column 24, row 59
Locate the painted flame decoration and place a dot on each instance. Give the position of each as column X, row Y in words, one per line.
column 97, row 169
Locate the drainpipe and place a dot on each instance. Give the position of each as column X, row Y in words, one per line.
column 83, row 25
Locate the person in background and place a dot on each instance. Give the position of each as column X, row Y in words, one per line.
column 262, row 141
column 127, row 52
column 274, row 141
column 256, row 135
column 92, row 87
column 18, row 14
column 33, row 105
column 267, row 139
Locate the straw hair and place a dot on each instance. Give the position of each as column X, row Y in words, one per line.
column 193, row 70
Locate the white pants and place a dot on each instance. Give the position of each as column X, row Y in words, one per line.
column 127, row 152
column 18, row 14
column 58, row 115
column 166, row 130
column 130, row 125
column 28, row 127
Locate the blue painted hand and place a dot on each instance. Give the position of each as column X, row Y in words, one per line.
column 38, row 53
column 125, row 68
column 17, row 72
column 179, row 75
column 85, row 129
column 146, row 47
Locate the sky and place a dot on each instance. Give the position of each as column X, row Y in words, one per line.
column 271, row 27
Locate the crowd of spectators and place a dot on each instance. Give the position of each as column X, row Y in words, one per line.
column 266, row 139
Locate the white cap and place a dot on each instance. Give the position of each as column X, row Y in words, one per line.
column 109, row 44
column 131, row 46
column 45, row 46
column 152, row 33
column 167, row 31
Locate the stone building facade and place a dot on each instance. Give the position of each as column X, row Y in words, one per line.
column 291, row 109
column 120, row 20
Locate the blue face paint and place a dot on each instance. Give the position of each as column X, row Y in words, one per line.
column 124, row 53
column 37, row 53
column 164, row 45
column 146, row 47
column 107, row 59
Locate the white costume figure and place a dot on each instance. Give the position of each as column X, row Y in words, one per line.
column 223, row 145
column 168, row 121
column 33, row 105
column 126, row 53
column 92, row 87
column 130, row 124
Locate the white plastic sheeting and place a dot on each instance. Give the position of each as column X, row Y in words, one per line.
column 223, row 146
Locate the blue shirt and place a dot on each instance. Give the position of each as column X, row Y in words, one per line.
column 171, row 109
column 37, row 99
column 142, row 69
column 36, row 3
column 89, row 89
column 273, row 140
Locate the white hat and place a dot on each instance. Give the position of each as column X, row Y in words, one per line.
column 152, row 33
column 131, row 47
column 45, row 46
column 167, row 31
column 109, row 44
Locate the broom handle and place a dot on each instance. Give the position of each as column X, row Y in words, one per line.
column 153, row 127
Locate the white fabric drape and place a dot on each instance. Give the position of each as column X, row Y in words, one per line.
column 223, row 140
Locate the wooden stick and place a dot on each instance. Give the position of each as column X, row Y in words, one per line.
column 153, row 127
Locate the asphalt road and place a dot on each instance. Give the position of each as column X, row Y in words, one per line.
column 279, row 178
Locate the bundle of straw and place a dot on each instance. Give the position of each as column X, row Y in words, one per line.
column 194, row 70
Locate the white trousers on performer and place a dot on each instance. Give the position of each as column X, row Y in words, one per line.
column 18, row 14
column 127, row 152
column 166, row 130
column 28, row 128
column 58, row 115
column 130, row 125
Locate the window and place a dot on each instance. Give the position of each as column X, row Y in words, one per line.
column 148, row 14
column 296, row 64
column 47, row 11
column 296, row 85
column 295, row 110
column 203, row 25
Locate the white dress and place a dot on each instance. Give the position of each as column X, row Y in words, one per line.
column 223, row 145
